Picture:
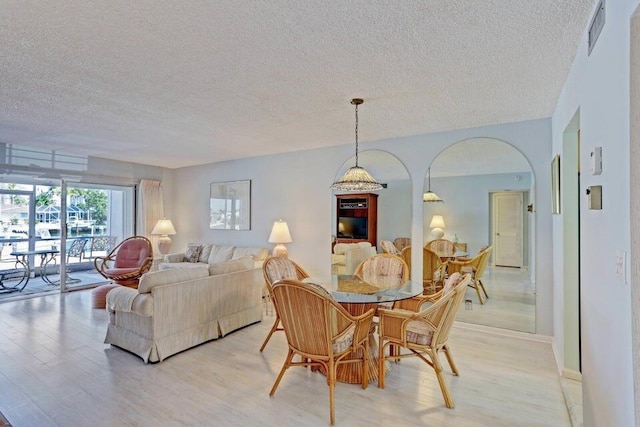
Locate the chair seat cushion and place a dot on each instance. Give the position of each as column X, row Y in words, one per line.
column 114, row 272
column 344, row 341
column 419, row 333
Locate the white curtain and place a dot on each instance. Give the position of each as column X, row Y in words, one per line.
column 151, row 208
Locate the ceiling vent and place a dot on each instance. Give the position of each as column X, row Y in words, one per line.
column 595, row 28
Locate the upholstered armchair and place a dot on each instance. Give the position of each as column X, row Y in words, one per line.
column 277, row 268
column 127, row 262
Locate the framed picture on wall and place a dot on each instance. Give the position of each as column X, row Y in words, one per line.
column 555, row 185
column 230, row 205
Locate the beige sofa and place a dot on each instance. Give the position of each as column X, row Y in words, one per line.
column 209, row 255
column 177, row 309
column 347, row 257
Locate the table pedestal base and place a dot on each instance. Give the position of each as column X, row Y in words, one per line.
column 352, row 372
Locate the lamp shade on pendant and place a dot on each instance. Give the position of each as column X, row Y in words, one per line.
column 430, row 196
column 279, row 235
column 164, row 228
column 356, row 178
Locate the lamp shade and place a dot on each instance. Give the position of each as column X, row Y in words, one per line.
column 437, row 222
column 164, row 227
column 356, row 178
column 280, row 233
column 430, row 197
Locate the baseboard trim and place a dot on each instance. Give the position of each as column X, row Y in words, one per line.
column 556, row 355
column 571, row 374
column 504, row 332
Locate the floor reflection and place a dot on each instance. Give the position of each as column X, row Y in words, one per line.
column 511, row 303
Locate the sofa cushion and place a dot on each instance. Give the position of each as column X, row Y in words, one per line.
column 156, row 278
column 176, row 265
column 192, row 254
column 238, row 264
column 257, row 253
column 205, row 253
column 220, row 253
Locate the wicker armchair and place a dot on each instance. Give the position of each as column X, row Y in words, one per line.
column 424, row 333
column 389, row 248
column 383, row 265
column 277, row 268
column 321, row 331
column 433, row 269
column 476, row 266
column 443, row 247
column 401, row 242
column 127, row 262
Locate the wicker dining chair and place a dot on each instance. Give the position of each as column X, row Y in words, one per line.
column 401, row 242
column 321, row 331
column 433, row 269
column 383, row 265
column 476, row 266
column 424, row 334
column 389, row 248
column 277, row 268
column 443, row 247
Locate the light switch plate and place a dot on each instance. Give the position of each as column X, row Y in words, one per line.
column 621, row 266
column 596, row 161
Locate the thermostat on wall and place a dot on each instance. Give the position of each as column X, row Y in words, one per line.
column 596, row 161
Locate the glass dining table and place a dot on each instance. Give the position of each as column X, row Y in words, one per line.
column 359, row 294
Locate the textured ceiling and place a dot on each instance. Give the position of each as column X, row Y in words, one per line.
column 182, row 83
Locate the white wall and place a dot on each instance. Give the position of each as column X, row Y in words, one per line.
column 295, row 187
column 598, row 85
column 466, row 208
column 394, row 211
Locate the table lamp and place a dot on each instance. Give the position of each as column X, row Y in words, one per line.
column 164, row 228
column 437, row 226
column 279, row 235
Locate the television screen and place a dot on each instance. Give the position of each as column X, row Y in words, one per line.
column 353, row 228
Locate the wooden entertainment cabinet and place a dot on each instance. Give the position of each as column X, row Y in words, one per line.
column 357, row 218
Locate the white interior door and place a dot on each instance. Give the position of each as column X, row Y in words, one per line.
column 507, row 228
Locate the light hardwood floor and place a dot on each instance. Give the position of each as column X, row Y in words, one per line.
column 511, row 303
column 55, row 371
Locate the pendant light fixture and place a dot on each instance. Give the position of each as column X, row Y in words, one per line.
column 356, row 178
column 430, row 196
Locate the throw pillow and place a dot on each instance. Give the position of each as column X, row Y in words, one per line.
column 193, row 253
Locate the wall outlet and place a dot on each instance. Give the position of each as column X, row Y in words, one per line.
column 621, row 266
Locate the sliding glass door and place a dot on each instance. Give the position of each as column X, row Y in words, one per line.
column 98, row 218
column 51, row 234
